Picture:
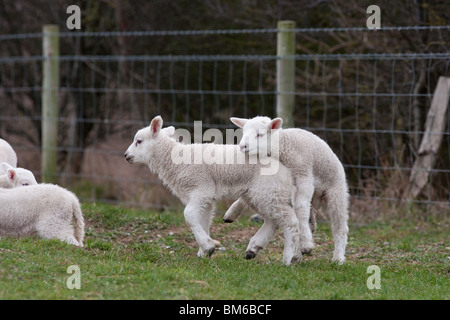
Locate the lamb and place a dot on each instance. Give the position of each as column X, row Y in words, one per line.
column 7, row 154
column 318, row 175
column 15, row 177
column 44, row 209
column 200, row 184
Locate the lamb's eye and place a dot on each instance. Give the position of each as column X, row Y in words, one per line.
column 138, row 141
column 259, row 135
column 25, row 184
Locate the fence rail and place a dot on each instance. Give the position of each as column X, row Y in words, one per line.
column 370, row 106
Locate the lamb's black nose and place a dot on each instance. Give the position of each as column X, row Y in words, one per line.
column 129, row 158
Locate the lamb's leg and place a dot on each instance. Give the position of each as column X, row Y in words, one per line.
column 262, row 237
column 63, row 235
column 72, row 240
column 302, row 206
column 316, row 203
column 235, row 211
column 312, row 221
column 206, row 222
column 67, row 237
column 291, row 228
column 197, row 217
column 55, row 227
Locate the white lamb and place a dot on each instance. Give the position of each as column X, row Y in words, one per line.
column 15, row 177
column 44, row 209
column 7, row 154
column 200, row 185
column 318, row 175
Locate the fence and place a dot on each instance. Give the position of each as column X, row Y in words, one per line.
column 360, row 90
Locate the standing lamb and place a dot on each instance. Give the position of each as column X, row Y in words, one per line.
column 15, row 177
column 199, row 184
column 7, row 154
column 44, row 209
column 318, row 175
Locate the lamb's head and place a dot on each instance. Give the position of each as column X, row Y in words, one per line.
column 18, row 177
column 260, row 135
column 140, row 149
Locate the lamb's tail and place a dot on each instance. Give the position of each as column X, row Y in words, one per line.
column 78, row 222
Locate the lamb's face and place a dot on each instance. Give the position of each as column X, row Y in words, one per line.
column 23, row 177
column 17, row 177
column 145, row 139
column 137, row 151
column 258, row 137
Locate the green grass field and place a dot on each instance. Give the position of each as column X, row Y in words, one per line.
column 137, row 254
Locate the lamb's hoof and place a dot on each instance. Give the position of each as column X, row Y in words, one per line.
column 306, row 247
column 256, row 218
column 210, row 251
column 296, row 259
column 340, row 260
column 291, row 262
column 250, row 255
column 228, row 220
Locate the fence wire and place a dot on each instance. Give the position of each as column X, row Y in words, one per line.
column 369, row 106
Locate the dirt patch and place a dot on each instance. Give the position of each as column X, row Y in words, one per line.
column 138, row 231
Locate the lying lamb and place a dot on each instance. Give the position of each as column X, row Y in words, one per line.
column 7, row 154
column 199, row 186
column 10, row 175
column 318, row 175
column 16, row 177
column 44, row 209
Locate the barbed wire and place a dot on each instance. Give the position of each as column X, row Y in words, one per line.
column 153, row 33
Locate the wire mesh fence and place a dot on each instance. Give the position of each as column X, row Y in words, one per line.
column 368, row 101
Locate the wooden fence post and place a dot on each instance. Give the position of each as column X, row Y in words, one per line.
column 286, row 72
column 50, row 108
column 431, row 139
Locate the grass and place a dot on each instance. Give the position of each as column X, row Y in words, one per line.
column 136, row 254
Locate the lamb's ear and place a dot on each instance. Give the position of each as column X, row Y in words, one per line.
column 11, row 174
column 170, row 131
column 240, row 122
column 155, row 126
column 4, row 166
column 275, row 124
